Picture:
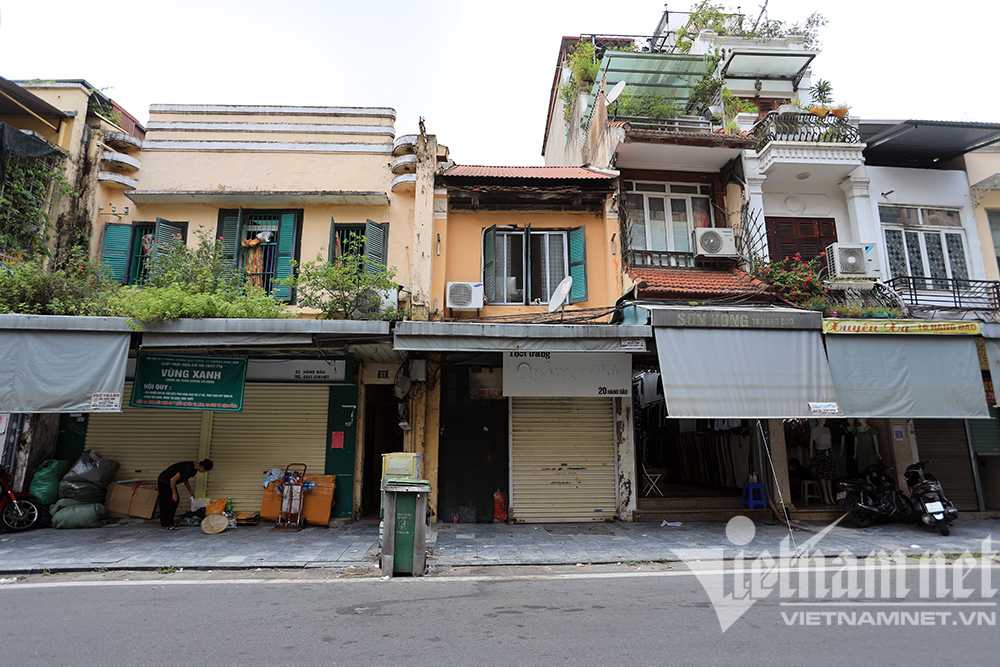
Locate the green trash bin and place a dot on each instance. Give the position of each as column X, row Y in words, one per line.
column 404, row 532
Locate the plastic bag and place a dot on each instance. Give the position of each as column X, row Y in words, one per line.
column 45, row 481
column 217, row 507
column 85, row 492
column 63, row 503
column 92, row 468
column 88, row 515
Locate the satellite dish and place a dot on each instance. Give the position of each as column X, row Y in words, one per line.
column 559, row 296
column 615, row 92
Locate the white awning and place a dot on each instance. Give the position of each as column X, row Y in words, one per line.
column 907, row 376
column 745, row 373
column 62, row 371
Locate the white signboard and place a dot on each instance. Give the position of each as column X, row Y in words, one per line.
column 296, row 370
column 599, row 374
column 106, row 401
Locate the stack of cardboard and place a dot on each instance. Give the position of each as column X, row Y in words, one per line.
column 132, row 498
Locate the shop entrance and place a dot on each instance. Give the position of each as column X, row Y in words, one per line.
column 688, row 458
column 382, row 436
column 473, row 450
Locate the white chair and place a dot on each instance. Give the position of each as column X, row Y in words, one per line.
column 810, row 489
column 650, row 480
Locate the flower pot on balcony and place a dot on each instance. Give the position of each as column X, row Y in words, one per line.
column 819, row 111
column 789, row 108
column 841, row 111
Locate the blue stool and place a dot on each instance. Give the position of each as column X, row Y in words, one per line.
column 753, row 496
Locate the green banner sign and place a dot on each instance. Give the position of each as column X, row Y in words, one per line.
column 189, row 383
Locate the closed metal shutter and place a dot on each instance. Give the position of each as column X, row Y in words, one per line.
column 279, row 425
column 986, row 433
column 943, row 442
column 563, row 460
column 144, row 441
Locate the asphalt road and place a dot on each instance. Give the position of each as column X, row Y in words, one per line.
column 650, row 614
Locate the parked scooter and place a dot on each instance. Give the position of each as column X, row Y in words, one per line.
column 18, row 511
column 932, row 508
column 865, row 502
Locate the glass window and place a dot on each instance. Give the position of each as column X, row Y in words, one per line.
column 547, row 266
column 922, row 243
column 994, row 220
column 666, row 223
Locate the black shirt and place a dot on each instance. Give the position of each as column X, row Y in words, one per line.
column 185, row 468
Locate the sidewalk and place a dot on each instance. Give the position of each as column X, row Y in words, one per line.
column 146, row 546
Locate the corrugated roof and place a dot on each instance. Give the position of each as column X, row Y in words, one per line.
column 696, row 282
column 555, row 173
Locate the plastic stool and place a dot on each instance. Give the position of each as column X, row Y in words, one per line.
column 810, row 489
column 753, row 496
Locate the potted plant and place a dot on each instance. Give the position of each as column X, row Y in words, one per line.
column 822, row 95
column 840, row 110
column 849, row 310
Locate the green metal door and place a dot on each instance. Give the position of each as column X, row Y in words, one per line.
column 340, row 446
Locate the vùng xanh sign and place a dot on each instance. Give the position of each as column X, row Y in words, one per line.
column 876, row 326
column 189, row 383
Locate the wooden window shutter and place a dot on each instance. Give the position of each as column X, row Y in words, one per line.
column 578, row 264
column 115, row 249
column 286, row 253
column 489, row 262
column 166, row 229
column 229, row 232
column 376, row 246
column 333, row 252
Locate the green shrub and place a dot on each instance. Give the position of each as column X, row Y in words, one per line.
column 38, row 287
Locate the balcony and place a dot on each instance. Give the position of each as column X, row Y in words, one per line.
column 117, row 181
column 656, row 259
column 787, row 142
column 960, row 294
column 119, row 163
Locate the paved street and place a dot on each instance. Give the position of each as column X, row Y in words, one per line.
column 146, row 546
column 606, row 615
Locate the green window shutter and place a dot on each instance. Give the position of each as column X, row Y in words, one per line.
column 165, row 230
column 578, row 264
column 229, row 232
column 286, row 253
column 376, row 246
column 489, row 263
column 115, row 249
column 986, row 434
column 527, row 264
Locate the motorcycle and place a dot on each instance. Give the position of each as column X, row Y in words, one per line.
column 18, row 511
column 932, row 508
column 864, row 502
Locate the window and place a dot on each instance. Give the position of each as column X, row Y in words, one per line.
column 994, row 220
column 127, row 248
column 261, row 245
column 374, row 244
column 525, row 266
column 925, row 243
column 663, row 216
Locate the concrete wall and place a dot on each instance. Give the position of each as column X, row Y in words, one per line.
column 981, row 165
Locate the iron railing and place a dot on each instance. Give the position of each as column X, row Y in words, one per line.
column 677, row 124
column 662, row 43
column 804, row 127
column 947, row 292
column 641, row 259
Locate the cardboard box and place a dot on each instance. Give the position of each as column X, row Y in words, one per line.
column 316, row 508
column 136, row 499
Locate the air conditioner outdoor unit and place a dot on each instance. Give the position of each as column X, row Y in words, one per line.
column 714, row 242
column 464, row 296
column 852, row 260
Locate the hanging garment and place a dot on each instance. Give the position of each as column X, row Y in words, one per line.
column 866, row 449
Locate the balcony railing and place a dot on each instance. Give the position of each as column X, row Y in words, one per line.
column 678, row 124
column 642, row 259
column 804, row 127
column 947, row 292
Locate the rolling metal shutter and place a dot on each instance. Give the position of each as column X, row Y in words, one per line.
column 144, row 441
column 563, row 460
column 279, row 425
column 943, row 442
column 986, row 434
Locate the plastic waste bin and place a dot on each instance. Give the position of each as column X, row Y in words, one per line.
column 404, row 534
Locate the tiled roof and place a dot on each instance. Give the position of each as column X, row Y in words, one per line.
column 696, row 282
column 560, row 173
